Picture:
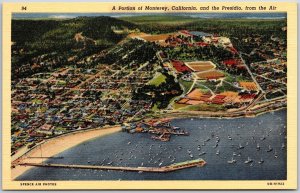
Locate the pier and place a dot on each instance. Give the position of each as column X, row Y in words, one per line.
column 170, row 168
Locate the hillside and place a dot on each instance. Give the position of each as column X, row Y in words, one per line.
column 32, row 38
column 53, row 34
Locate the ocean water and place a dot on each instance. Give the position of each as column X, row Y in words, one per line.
column 123, row 149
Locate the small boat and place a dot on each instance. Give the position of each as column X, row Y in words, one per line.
column 275, row 154
column 206, row 140
column 257, row 147
column 199, row 148
column 270, row 149
column 240, row 146
column 191, row 155
column 129, row 143
column 160, row 163
column 142, row 164
column 203, row 144
column 218, row 152
column 282, row 146
column 248, row 161
column 109, row 163
column 229, row 137
column 215, row 146
column 140, row 172
column 263, row 138
column 189, row 151
column 232, row 161
column 261, row 161
column 234, row 154
column 202, row 153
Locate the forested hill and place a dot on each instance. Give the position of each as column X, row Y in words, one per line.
column 43, row 44
column 48, row 35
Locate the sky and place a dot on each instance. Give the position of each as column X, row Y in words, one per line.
column 195, row 15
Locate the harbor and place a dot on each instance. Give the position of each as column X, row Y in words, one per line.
column 234, row 149
column 160, row 129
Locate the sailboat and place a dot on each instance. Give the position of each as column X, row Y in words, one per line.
column 232, row 161
column 215, row 146
column 270, row 149
column 202, row 153
column 261, row 161
column 218, row 152
column 257, row 147
column 206, row 140
column 248, row 161
column 240, row 146
column 282, row 146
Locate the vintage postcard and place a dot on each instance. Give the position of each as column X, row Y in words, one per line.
column 149, row 96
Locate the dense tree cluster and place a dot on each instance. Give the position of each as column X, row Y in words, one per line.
column 33, row 38
column 159, row 95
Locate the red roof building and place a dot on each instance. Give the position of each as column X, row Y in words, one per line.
column 202, row 44
column 185, row 32
column 180, row 66
column 231, row 62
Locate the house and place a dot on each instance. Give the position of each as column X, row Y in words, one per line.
column 45, row 129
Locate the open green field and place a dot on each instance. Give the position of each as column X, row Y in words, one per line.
column 157, row 79
column 204, row 107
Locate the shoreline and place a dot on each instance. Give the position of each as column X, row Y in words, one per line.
column 57, row 145
column 66, row 141
column 218, row 115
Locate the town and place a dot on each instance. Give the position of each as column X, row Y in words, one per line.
column 144, row 76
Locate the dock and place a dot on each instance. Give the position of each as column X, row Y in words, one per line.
column 170, row 168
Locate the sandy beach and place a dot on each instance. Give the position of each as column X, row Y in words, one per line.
column 56, row 145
